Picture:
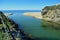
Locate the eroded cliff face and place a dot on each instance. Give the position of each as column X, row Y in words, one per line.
column 51, row 13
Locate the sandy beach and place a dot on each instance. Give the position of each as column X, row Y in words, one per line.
column 37, row 15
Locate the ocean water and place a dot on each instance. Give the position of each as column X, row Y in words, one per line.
column 30, row 25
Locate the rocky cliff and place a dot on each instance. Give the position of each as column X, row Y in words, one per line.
column 52, row 13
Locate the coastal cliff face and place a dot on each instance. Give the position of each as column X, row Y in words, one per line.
column 51, row 13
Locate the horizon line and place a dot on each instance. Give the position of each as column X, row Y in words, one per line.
column 13, row 9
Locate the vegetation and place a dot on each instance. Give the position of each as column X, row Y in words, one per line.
column 6, row 28
column 10, row 31
column 46, row 9
column 50, row 25
column 51, row 15
column 52, row 7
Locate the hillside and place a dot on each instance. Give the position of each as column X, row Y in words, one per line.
column 52, row 13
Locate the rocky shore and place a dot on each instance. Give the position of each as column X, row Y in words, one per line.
column 51, row 17
column 10, row 30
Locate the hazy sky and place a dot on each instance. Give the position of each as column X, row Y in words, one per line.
column 26, row 4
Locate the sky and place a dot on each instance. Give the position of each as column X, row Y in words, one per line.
column 26, row 4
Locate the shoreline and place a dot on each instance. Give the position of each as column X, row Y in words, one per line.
column 13, row 30
column 21, row 31
column 37, row 15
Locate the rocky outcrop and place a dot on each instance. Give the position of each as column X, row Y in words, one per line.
column 52, row 13
column 10, row 30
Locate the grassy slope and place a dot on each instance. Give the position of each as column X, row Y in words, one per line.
column 51, row 13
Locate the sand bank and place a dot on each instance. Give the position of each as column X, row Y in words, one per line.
column 34, row 14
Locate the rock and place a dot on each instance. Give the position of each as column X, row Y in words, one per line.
column 52, row 12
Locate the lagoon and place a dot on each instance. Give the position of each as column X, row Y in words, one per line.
column 32, row 26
